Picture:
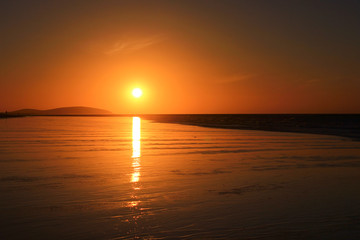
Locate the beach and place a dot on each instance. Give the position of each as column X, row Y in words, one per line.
column 136, row 178
column 345, row 125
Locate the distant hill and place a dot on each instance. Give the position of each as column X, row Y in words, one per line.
column 64, row 111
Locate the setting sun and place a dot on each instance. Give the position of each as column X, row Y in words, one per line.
column 137, row 92
column 180, row 119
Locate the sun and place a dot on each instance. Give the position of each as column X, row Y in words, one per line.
column 137, row 92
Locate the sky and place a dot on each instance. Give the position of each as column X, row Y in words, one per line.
column 187, row 56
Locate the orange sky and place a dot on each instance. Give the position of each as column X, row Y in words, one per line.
column 188, row 57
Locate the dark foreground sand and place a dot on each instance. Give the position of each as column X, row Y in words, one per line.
column 344, row 125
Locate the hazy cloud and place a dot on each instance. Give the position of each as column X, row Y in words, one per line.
column 237, row 78
column 126, row 45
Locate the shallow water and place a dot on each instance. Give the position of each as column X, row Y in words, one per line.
column 125, row 178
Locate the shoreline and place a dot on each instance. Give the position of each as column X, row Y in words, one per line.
column 341, row 125
column 345, row 125
column 5, row 116
column 329, row 132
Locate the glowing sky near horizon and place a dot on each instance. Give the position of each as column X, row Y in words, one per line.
column 189, row 56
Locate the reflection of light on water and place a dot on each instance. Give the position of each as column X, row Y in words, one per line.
column 136, row 137
column 136, row 129
column 133, row 203
column 135, row 176
column 136, row 148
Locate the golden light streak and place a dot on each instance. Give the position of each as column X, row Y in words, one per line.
column 136, row 166
column 136, row 135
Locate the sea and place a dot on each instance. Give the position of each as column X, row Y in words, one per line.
column 132, row 178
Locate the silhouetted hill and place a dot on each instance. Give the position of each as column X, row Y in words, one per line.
column 64, row 111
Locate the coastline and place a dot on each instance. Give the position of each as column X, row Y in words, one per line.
column 342, row 125
column 5, row 116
